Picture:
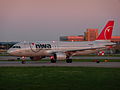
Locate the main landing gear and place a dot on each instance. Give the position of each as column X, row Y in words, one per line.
column 53, row 61
column 69, row 60
column 53, row 58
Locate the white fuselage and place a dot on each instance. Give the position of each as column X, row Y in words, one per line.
column 46, row 48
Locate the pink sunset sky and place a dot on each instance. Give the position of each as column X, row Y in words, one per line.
column 48, row 19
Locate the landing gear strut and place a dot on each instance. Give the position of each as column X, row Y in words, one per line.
column 23, row 60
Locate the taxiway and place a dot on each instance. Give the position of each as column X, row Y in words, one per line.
column 59, row 63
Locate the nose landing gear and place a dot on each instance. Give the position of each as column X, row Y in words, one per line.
column 23, row 60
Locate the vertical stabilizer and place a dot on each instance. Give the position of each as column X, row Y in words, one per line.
column 106, row 32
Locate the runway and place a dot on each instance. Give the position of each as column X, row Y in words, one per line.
column 59, row 64
column 94, row 57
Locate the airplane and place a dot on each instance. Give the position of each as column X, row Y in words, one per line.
column 60, row 50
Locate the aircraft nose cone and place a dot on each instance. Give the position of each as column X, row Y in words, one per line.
column 10, row 52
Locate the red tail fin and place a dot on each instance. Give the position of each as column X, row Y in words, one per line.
column 106, row 32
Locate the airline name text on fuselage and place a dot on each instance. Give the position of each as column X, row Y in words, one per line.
column 43, row 45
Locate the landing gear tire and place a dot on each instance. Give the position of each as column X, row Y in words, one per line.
column 53, row 61
column 69, row 60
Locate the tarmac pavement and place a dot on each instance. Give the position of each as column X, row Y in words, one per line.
column 59, row 64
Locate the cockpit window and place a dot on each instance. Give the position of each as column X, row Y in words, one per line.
column 16, row 47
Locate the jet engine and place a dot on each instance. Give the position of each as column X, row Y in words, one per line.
column 60, row 56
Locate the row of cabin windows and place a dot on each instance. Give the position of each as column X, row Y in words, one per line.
column 16, row 47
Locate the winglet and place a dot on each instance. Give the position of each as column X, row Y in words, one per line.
column 106, row 32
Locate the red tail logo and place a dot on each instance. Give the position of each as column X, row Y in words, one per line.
column 106, row 32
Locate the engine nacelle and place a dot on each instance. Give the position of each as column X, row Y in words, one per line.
column 61, row 56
